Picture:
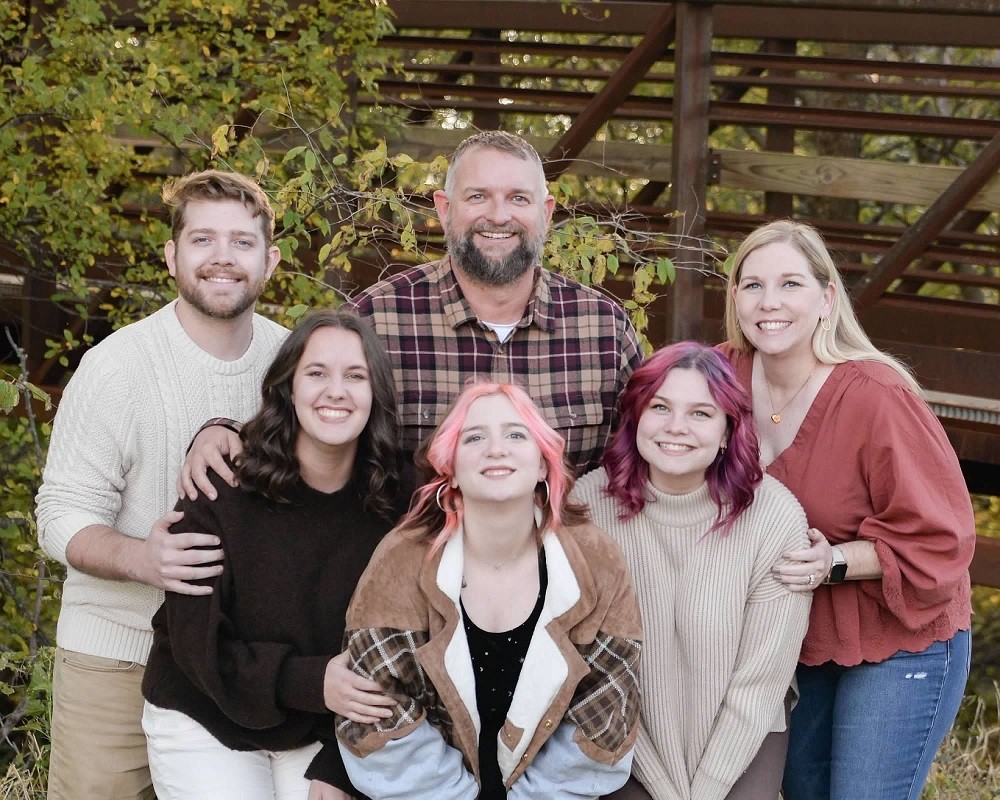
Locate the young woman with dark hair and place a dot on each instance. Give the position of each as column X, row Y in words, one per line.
column 681, row 490
column 241, row 682
column 500, row 622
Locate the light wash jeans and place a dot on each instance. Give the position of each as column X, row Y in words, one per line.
column 870, row 732
column 188, row 763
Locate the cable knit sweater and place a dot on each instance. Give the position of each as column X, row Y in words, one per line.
column 722, row 635
column 118, row 442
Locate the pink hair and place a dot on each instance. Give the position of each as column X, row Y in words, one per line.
column 426, row 516
column 732, row 477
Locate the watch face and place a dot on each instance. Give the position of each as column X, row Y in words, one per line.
column 838, row 573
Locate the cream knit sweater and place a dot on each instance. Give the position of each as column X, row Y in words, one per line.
column 118, row 441
column 722, row 636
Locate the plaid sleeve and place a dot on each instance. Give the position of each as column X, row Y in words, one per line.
column 605, row 707
column 388, row 657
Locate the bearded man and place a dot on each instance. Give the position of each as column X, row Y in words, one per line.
column 490, row 310
column 119, row 437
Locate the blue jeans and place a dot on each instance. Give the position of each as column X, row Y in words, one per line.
column 870, row 732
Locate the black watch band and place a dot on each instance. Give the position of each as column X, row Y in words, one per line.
column 838, row 571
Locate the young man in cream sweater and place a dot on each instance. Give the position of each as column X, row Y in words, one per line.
column 118, row 442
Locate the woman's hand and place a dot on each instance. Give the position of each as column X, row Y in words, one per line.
column 352, row 696
column 324, row 791
column 804, row 569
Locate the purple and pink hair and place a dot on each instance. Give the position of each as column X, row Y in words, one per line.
column 735, row 473
column 427, row 518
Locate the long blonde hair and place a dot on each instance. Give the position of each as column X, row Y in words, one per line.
column 845, row 340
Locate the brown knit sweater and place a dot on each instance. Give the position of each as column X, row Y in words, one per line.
column 247, row 661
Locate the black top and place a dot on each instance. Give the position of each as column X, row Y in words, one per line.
column 247, row 662
column 496, row 663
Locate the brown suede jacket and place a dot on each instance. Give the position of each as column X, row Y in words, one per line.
column 404, row 630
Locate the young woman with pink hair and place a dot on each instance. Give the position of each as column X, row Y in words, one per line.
column 682, row 491
column 501, row 622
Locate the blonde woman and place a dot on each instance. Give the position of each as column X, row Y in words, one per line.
column 885, row 660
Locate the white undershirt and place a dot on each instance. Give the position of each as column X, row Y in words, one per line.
column 503, row 332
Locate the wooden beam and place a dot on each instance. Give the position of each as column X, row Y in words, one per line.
column 692, row 95
column 853, row 178
column 489, row 118
column 780, row 138
column 985, row 569
column 933, row 221
column 618, row 87
column 968, row 221
column 947, row 325
column 947, row 368
column 907, row 74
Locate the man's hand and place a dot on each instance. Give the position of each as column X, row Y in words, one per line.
column 324, row 791
column 168, row 560
column 209, row 449
column 354, row 697
column 164, row 560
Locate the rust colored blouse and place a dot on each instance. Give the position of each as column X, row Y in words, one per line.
column 871, row 461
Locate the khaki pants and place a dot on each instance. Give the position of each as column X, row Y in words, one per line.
column 98, row 747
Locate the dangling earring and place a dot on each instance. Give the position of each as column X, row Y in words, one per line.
column 824, row 323
column 548, row 494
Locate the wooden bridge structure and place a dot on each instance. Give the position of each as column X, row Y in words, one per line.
column 696, row 68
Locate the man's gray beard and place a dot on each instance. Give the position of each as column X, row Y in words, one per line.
column 489, row 272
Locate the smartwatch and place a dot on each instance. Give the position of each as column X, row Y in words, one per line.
column 838, row 572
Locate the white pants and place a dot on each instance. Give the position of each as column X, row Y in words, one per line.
column 188, row 763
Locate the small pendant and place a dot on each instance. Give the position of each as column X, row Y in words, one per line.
column 776, row 418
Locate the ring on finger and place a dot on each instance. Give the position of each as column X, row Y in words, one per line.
column 812, row 579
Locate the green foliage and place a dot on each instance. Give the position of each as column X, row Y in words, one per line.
column 104, row 109
column 985, row 673
column 967, row 766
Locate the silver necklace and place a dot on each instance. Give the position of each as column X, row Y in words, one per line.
column 496, row 567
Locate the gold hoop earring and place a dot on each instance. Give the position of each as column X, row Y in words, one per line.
column 437, row 497
column 548, row 493
column 824, row 323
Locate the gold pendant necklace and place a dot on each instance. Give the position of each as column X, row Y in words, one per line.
column 776, row 415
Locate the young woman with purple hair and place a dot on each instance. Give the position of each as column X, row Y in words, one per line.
column 682, row 492
column 502, row 624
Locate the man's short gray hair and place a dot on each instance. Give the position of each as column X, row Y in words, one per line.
column 509, row 143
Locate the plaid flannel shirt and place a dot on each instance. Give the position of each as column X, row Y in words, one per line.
column 573, row 351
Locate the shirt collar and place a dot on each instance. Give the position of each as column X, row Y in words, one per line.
column 457, row 310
